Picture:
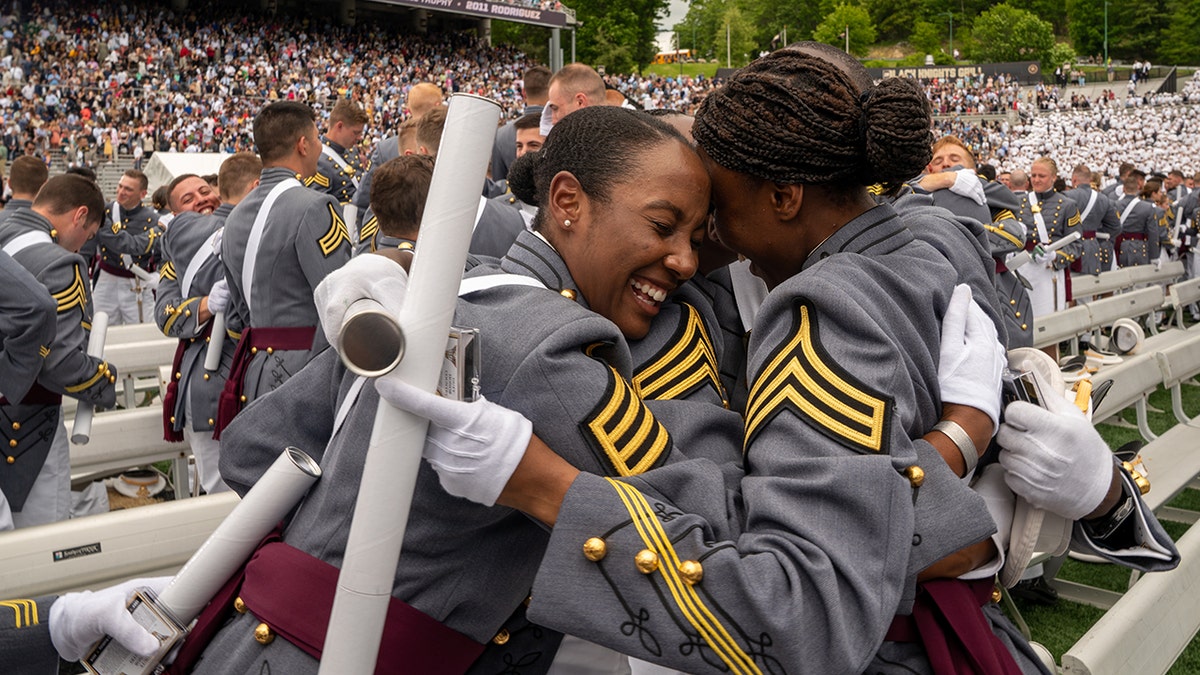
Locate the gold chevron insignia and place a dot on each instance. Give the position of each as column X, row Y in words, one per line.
column 25, row 612
column 680, row 592
column 1004, row 214
column 624, row 430
column 336, row 234
column 167, row 271
column 116, row 227
column 687, row 363
column 1073, row 220
column 74, row 295
column 368, row 229
column 801, row 377
column 317, row 179
column 43, row 351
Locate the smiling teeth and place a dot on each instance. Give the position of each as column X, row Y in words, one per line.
column 655, row 294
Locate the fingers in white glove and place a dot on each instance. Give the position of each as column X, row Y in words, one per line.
column 972, row 360
column 365, row 276
column 78, row 620
column 968, row 185
column 218, row 297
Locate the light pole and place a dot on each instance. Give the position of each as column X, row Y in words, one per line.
column 951, row 15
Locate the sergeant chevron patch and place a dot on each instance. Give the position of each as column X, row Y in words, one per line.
column 368, row 229
column 624, row 431
column 25, row 612
column 802, row 378
column 317, row 179
column 687, row 363
column 74, row 295
column 337, row 233
column 167, row 271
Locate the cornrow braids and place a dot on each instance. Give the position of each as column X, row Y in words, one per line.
column 794, row 117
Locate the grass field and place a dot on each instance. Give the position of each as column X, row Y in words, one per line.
column 1060, row 626
column 689, row 69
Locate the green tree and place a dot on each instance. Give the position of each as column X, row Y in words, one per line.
column 926, row 38
column 618, row 29
column 1005, row 33
column 845, row 17
column 735, row 38
column 1085, row 20
column 895, row 19
column 771, row 17
column 528, row 38
column 1139, row 30
column 1181, row 44
column 1054, row 11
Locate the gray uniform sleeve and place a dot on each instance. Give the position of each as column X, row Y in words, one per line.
column 27, row 327
column 176, row 316
column 1070, row 223
column 68, row 369
column 120, row 239
column 322, row 244
column 25, row 645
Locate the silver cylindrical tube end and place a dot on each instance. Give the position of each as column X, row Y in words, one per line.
column 372, row 342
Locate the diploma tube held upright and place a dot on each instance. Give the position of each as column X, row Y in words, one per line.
column 216, row 342
column 397, row 438
column 81, row 430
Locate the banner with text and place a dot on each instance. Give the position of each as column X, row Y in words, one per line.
column 1026, row 72
column 491, row 10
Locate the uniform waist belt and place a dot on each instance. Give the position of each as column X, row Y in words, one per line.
column 38, row 395
column 292, row 592
column 948, row 622
column 1126, row 236
column 121, row 271
column 1089, row 235
column 287, row 338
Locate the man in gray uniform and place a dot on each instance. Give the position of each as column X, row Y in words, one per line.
column 1137, row 244
column 1048, row 216
column 341, row 165
column 1098, row 221
column 279, row 243
column 504, row 150
column 25, row 177
column 191, row 289
column 35, row 476
column 127, row 251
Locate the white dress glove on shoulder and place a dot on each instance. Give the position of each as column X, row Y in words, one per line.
column 972, row 359
column 218, row 297
column 474, row 447
column 1055, row 458
column 365, row 276
column 967, row 184
column 77, row 620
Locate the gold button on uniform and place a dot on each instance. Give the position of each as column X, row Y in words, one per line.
column 996, row 594
column 646, row 561
column 263, row 634
column 270, row 350
column 595, row 549
column 242, row 398
column 172, row 419
column 915, row 475
column 567, row 293
column 501, row 637
column 211, row 422
column 239, row 606
column 178, row 375
column 691, row 571
column 10, row 459
column 254, row 350
column 16, row 426
column 12, row 443
column 206, row 376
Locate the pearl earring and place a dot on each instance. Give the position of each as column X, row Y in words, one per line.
column 567, row 222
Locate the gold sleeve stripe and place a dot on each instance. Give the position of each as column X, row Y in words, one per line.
column 1073, row 220
column 1004, row 214
column 150, row 243
column 800, row 376
column 687, row 363
column 74, row 295
column 25, row 612
column 368, row 229
column 689, row 602
column 178, row 313
column 101, row 371
column 167, row 271
column 876, row 189
column 625, row 430
column 332, row 239
column 1005, row 234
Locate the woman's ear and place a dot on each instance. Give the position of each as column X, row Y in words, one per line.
column 567, row 201
column 786, row 200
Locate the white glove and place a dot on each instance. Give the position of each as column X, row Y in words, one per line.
column 1055, row 458
column 218, row 297
column 546, row 123
column 365, row 276
column 972, row 359
column 967, row 184
column 474, row 447
column 78, row 620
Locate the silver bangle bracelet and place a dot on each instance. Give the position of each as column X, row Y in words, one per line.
column 962, row 440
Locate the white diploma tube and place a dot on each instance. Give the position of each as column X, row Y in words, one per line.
column 81, row 430
column 216, row 342
column 394, row 454
column 1023, row 257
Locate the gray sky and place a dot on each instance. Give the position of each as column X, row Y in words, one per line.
column 676, row 11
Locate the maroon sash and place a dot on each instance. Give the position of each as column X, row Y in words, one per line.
column 948, row 622
column 1126, row 236
column 292, row 592
column 170, row 433
column 120, row 271
column 288, row 339
column 38, row 395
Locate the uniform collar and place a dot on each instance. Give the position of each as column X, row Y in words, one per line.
column 223, row 210
column 875, row 232
column 274, row 175
column 28, row 219
column 14, row 204
column 1043, row 196
column 533, row 256
column 336, row 147
column 383, row 241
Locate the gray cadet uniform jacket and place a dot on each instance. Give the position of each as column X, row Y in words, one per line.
column 334, row 179
column 1061, row 216
column 469, row 567
column 12, row 206
column 1139, row 239
column 66, row 369
column 1100, row 228
column 388, row 148
column 828, row 551
column 137, row 235
column 27, row 327
column 304, row 239
column 25, row 645
column 190, row 241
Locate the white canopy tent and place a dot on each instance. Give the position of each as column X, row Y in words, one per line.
column 163, row 167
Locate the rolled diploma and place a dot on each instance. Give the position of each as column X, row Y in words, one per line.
column 230, row 545
column 1023, row 257
column 216, row 342
column 81, row 430
column 139, row 272
column 394, row 454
